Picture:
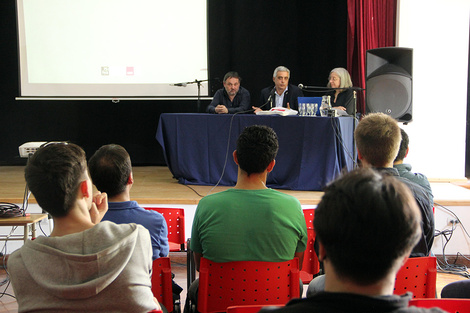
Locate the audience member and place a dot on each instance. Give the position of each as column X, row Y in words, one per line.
column 378, row 139
column 457, row 289
column 366, row 223
column 249, row 222
column 342, row 99
column 84, row 265
column 404, row 170
column 233, row 98
column 282, row 94
column 111, row 172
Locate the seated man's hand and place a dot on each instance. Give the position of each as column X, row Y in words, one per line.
column 256, row 109
column 99, row 207
column 340, row 108
column 221, row 109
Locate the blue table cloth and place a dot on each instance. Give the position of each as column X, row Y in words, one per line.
column 312, row 150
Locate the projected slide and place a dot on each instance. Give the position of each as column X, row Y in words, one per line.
column 112, row 47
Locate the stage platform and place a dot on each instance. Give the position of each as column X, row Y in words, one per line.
column 155, row 185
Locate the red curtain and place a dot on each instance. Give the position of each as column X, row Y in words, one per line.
column 371, row 24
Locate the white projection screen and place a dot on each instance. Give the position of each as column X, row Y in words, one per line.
column 112, row 48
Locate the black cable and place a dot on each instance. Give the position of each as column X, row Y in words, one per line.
column 444, row 266
column 455, row 215
column 226, row 151
column 337, row 131
column 43, row 232
column 10, row 210
column 195, row 191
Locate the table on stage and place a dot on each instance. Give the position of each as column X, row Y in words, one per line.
column 312, row 150
column 25, row 221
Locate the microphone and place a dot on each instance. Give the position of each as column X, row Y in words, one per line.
column 179, row 84
column 301, row 86
column 270, row 98
column 271, row 95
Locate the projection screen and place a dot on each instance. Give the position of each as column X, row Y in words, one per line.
column 112, row 48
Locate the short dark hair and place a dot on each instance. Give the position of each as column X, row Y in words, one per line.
column 257, row 146
column 110, row 167
column 53, row 174
column 232, row 75
column 405, row 141
column 378, row 138
column 366, row 221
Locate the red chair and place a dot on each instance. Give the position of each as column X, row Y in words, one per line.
column 248, row 308
column 222, row 285
column 310, row 266
column 174, row 218
column 417, row 275
column 449, row 305
column 162, row 283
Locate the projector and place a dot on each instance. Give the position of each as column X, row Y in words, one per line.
column 28, row 149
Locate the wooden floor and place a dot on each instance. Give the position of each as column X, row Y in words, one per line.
column 153, row 185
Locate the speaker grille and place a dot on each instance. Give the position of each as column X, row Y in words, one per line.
column 390, row 94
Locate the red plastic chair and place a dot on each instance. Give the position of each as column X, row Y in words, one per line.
column 174, row 218
column 310, row 266
column 162, row 283
column 222, row 285
column 248, row 308
column 417, row 275
column 449, row 305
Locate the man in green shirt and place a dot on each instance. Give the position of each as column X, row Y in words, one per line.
column 249, row 222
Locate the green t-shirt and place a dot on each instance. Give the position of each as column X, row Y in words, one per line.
column 249, row 225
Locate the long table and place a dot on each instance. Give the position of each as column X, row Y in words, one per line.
column 312, row 150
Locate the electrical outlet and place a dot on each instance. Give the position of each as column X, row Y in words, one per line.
column 452, row 221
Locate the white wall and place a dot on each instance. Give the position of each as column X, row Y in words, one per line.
column 438, row 32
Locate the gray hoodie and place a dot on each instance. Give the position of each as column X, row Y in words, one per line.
column 103, row 269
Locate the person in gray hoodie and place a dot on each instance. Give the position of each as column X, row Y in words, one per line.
column 85, row 265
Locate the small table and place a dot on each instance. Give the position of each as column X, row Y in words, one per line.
column 24, row 221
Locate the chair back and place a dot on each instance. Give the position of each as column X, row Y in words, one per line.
column 174, row 218
column 449, row 305
column 248, row 308
column 246, row 283
column 310, row 266
column 417, row 275
column 162, row 282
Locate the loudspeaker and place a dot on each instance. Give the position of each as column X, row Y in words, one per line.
column 389, row 82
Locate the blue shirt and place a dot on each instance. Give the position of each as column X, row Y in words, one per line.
column 280, row 98
column 130, row 212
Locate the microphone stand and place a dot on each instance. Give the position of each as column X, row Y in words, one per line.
column 198, row 82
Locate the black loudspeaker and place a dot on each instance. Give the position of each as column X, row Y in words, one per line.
column 389, row 82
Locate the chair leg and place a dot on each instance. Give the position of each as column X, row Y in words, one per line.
column 190, row 264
